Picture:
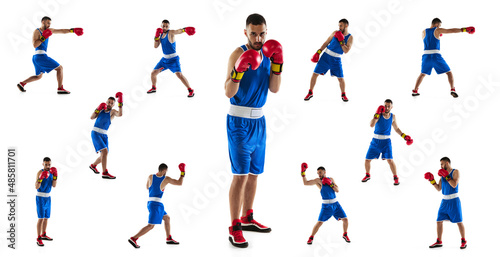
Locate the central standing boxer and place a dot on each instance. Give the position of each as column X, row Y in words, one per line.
column 432, row 58
column 46, row 179
column 156, row 185
column 450, row 208
column 381, row 142
column 42, row 62
column 166, row 37
column 338, row 43
column 103, row 114
column 246, row 124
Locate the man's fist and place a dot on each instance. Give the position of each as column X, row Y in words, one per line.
column 444, row 173
column 469, row 30
column 247, row 59
column 157, row 34
column 380, row 110
column 326, row 181
column 182, row 168
column 315, row 57
column 303, row 169
column 340, row 37
column 119, row 97
column 46, row 34
column 430, row 177
column 77, row 31
column 408, row 139
column 53, row 171
column 274, row 51
column 190, row 30
column 43, row 175
column 101, row 107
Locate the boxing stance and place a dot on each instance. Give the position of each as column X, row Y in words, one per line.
column 46, row 178
column 330, row 207
column 450, row 208
column 43, row 63
column 338, row 43
column 253, row 70
column 432, row 57
column 156, row 185
column 166, row 37
column 381, row 142
column 103, row 115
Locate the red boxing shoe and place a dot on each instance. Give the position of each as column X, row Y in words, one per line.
column 346, row 238
column 45, row 237
column 464, row 244
column 21, row 85
column 414, row 93
column 310, row 241
column 39, row 241
column 236, row 235
column 62, row 91
column 133, row 242
column 152, row 90
column 438, row 243
column 94, row 168
column 344, row 97
column 396, row 180
column 454, row 93
column 249, row 224
column 171, row 241
column 191, row 92
column 309, row 95
column 366, row 178
column 106, row 175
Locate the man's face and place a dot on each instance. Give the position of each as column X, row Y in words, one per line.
column 46, row 165
column 256, row 35
column 46, row 24
column 342, row 27
column 445, row 165
column 110, row 104
column 388, row 107
column 321, row 173
column 165, row 26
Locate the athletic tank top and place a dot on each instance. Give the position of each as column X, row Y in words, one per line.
column 335, row 44
column 46, row 185
column 430, row 41
column 446, row 188
column 154, row 189
column 383, row 126
column 327, row 192
column 43, row 46
column 103, row 120
column 166, row 46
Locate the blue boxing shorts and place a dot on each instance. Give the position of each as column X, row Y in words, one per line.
column 247, row 144
column 171, row 64
column 435, row 61
column 44, row 63
column 156, row 212
column 43, row 207
column 327, row 62
column 331, row 209
column 378, row 147
column 450, row 209
column 100, row 141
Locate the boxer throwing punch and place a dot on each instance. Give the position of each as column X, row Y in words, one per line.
column 432, row 58
column 381, row 142
column 451, row 208
column 330, row 207
column 156, row 185
column 46, row 178
column 42, row 62
column 166, row 37
column 103, row 115
column 253, row 70
column 338, row 43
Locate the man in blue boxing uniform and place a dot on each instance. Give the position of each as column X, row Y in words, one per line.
column 46, row 178
column 451, row 208
column 42, row 62
column 156, row 185
column 330, row 206
column 338, row 43
column 432, row 58
column 246, row 124
column 170, row 61
column 381, row 142
column 103, row 114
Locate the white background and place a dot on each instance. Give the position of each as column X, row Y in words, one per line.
column 95, row 216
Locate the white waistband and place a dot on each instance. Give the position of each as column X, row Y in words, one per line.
column 41, row 194
column 332, row 53
column 168, row 56
column 100, row 130
column 381, row 136
column 155, row 199
column 431, row 51
column 448, row 197
column 40, row 52
column 334, row 200
column 245, row 112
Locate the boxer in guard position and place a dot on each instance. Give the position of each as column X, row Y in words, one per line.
column 46, row 179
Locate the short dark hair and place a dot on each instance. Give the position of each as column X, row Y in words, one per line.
column 388, row 101
column 256, row 19
column 435, row 21
column 162, row 166
column 112, row 98
column 321, row 168
column 46, row 159
column 165, row 21
column 46, row 18
column 446, row 159
column 344, row 21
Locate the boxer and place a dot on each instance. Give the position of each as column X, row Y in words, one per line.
column 253, row 69
column 432, row 58
column 46, row 179
column 103, row 115
column 381, row 142
column 43, row 63
column 166, row 37
column 156, row 185
column 450, row 208
column 330, row 206
column 338, row 43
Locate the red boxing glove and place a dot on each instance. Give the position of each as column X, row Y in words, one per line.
column 327, row 181
column 157, row 34
column 340, row 37
column 119, row 96
column 189, row 30
column 247, row 59
column 303, row 169
column 273, row 50
column 444, row 173
column 46, row 34
column 380, row 110
column 315, row 58
column 469, row 30
column 43, row 175
column 408, row 139
column 182, row 168
column 53, row 171
column 77, row 31
column 101, row 107
column 430, row 177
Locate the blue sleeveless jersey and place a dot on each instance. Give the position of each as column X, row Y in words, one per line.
column 446, row 188
column 254, row 85
column 335, row 44
column 430, row 41
column 166, row 46
column 44, row 44
column 46, row 185
column 103, row 120
column 154, row 189
column 383, row 126
column 327, row 192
